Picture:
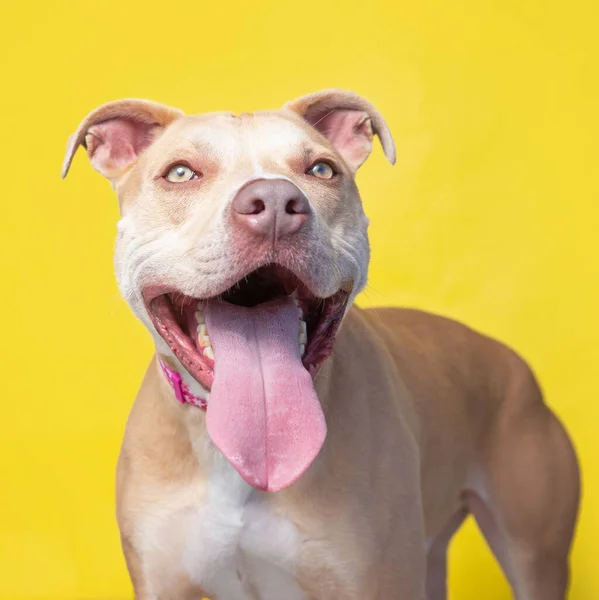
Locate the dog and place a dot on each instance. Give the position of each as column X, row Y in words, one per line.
column 285, row 444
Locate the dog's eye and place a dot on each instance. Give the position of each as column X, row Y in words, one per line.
column 180, row 173
column 322, row 170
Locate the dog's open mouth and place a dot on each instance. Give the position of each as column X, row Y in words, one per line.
column 182, row 321
column 256, row 347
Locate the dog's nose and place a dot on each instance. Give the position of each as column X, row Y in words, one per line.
column 271, row 208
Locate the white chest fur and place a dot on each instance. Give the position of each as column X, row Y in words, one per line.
column 228, row 541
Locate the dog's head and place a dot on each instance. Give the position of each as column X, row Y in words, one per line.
column 235, row 213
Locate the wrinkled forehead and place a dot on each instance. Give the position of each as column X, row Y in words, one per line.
column 233, row 138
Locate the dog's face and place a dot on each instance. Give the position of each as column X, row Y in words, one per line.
column 183, row 234
column 249, row 209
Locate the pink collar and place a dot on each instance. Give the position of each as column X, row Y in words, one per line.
column 181, row 389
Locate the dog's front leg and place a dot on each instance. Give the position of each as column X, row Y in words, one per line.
column 135, row 571
column 177, row 590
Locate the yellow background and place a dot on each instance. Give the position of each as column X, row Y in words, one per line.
column 490, row 216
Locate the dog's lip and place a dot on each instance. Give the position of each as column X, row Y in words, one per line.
column 153, row 290
column 161, row 314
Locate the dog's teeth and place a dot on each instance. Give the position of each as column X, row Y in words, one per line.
column 301, row 312
column 200, row 306
column 302, row 349
column 203, row 338
column 303, row 333
column 209, row 352
column 200, row 318
column 294, row 297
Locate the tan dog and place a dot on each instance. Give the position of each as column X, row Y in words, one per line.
column 316, row 472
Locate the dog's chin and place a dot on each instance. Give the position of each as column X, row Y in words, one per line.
column 185, row 324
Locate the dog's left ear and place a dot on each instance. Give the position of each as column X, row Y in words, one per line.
column 348, row 121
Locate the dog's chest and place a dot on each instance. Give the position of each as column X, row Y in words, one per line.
column 232, row 544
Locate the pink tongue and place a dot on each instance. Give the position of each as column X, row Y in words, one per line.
column 263, row 413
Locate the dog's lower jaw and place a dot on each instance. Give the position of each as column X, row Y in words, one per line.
column 164, row 353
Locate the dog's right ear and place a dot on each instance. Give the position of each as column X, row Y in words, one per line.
column 116, row 133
